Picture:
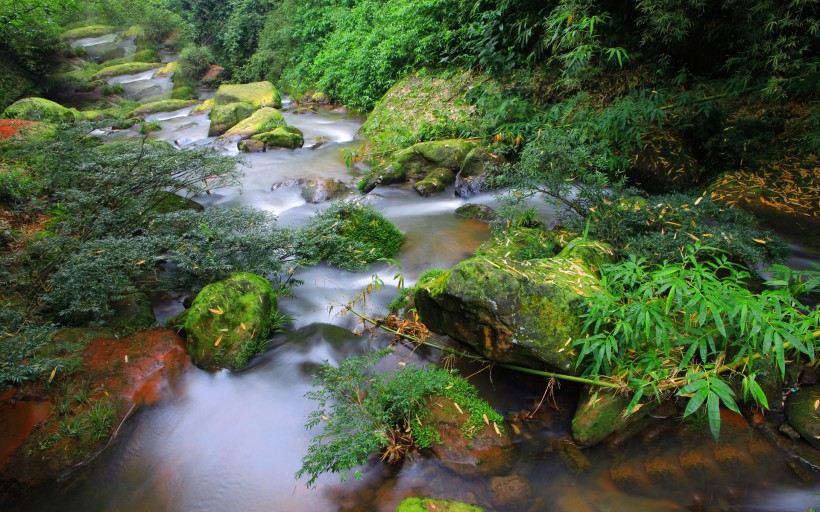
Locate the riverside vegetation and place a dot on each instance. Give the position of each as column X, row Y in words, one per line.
column 668, row 136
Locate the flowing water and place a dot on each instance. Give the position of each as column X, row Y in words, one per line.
column 233, row 440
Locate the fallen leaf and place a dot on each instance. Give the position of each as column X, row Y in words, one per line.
column 217, row 341
column 242, row 325
column 217, row 311
column 486, row 420
column 496, row 429
column 759, row 241
column 459, row 408
column 54, row 372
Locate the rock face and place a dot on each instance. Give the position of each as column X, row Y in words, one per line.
column 418, row 161
column 522, row 312
column 287, row 137
column 320, row 190
column 430, row 505
column 488, row 453
column 803, row 413
column 229, row 320
column 41, row 109
column 235, row 102
column 263, row 120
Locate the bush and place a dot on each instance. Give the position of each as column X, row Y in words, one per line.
column 193, row 62
column 17, row 186
column 684, row 325
column 349, row 236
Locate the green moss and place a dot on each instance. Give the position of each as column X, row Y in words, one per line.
column 282, row 137
column 600, row 413
column 204, row 107
column 129, row 68
column 183, row 93
column 264, row 120
column 803, row 414
column 40, row 109
column 168, row 69
column 223, row 117
column 141, row 56
column 161, row 106
column 259, row 94
column 89, row 31
column 229, row 321
column 591, row 252
column 521, row 244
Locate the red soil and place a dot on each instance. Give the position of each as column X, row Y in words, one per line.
column 9, row 127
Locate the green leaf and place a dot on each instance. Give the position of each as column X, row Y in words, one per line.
column 696, row 401
column 634, row 402
column 713, row 412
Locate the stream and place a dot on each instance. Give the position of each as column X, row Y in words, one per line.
column 232, row 441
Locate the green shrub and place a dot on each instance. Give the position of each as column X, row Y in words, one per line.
column 183, row 93
column 193, row 62
column 360, row 410
column 23, row 349
column 687, row 324
column 17, row 186
column 349, row 236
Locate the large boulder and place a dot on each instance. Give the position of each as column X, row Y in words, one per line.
column 435, row 182
column 431, row 505
column 320, row 190
column 418, row 161
column 229, row 321
column 225, row 117
column 803, row 413
column 287, row 137
column 258, row 94
column 41, row 109
column 522, row 312
column 474, row 172
column 265, row 119
column 601, row 413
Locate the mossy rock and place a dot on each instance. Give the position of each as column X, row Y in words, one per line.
column 518, row 312
column 205, row 106
column 664, row 163
column 251, row 146
column 435, row 182
column 169, row 69
column 129, row 68
column 41, row 109
column 229, row 321
column 224, row 117
column 523, row 244
column 320, row 190
column 476, row 211
column 475, row 171
column 259, row 94
column 283, row 137
column 141, row 56
column 89, row 31
column 183, row 93
column 803, row 413
column 431, row 505
column 264, row 120
column 161, row 106
column 600, row 414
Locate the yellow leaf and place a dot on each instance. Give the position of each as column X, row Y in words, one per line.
column 569, row 19
column 698, row 200
column 242, row 325
column 139, row 262
column 496, row 429
column 459, row 408
column 816, row 403
column 53, row 373
column 759, row 241
column 486, row 420
column 217, row 341
column 217, row 311
column 515, row 428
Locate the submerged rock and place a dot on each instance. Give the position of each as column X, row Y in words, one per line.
column 523, row 312
column 435, row 182
column 510, row 492
column 229, row 321
column 320, row 190
column 803, row 413
column 41, row 109
column 601, row 413
column 251, row 146
column 487, row 453
column 431, row 505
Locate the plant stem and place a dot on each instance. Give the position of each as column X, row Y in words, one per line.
column 474, row 357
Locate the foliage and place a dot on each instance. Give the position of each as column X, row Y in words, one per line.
column 686, row 326
column 17, row 186
column 349, row 236
column 360, row 409
column 23, row 349
column 274, row 48
column 193, row 62
column 157, row 20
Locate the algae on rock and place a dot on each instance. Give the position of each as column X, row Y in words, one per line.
column 258, row 94
column 229, row 321
column 41, row 109
column 287, row 137
column 265, row 119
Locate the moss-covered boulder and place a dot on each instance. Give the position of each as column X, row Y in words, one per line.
column 586, row 251
column 418, row 161
column 320, row 190
column 258, row 94
column 251, row 146
column 601, row 413
column 477, row 211
column 41, row 109
column 435, row 182
column 230, row 320
column 224, row 117
column 287, row 137
column 524, row 244
column 803, row 413
column 664, row 163
column 264, row 120
column 431, row 505
column 129, row 68
column 474, row 172
column 523, row 312
column 161, row 106
column 89, row 31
